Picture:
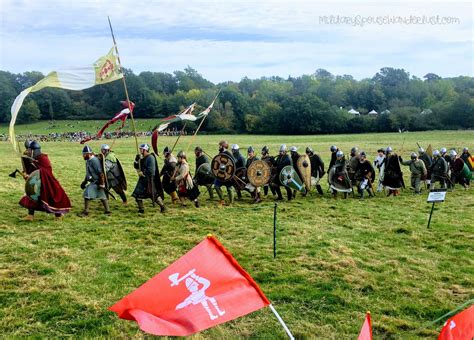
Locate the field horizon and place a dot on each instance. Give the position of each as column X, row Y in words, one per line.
column 337, row 258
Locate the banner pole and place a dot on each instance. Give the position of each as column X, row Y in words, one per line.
column 281, row 322
column 125, row 86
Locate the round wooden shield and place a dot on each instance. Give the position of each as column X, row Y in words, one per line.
column 259, row 173
column 289, row 178
column 33, row 185
column 204, row 174
column 304, row 166
column 223, row 167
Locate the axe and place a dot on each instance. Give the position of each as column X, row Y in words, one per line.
column 13, row 174
column 175, row 280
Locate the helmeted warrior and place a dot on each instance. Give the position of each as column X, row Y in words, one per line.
column 428, row 161
column 465, row 156
column 115, row 176
column 184, row 181
column 149, row 184
column 201, row 159
column 460, row 172
column 51, row 197
column 294, row 159
column 364, row 175
column 338, row 173
column 393, row 176
column 353, row 164
column 271, row 162
column 418, row 171
column 94, row 185
column 439, row 170
column 334, row 149
column 379, row 163
column 254, row 191
column 239, row 163
column 223, row 148
column 167, row 172
column 447, row 158
column 317, row 168
column 282, row 160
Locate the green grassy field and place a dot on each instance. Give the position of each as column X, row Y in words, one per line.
column 336, row 258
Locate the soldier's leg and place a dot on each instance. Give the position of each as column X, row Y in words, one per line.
column 160, row 202
column 219, row 192
column 239, row 193
column 141, row 206
column 230, row 194
column 278, row 192
column 413, row 182
column 174, row 197
column 85, row 212
column 30, row 216
column 105, row 203
column 265, row 190
column 417, row 185
column 289, row 193
column 210, row 191
column 319, row 189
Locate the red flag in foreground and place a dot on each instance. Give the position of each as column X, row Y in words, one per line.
column 459, row 327
column 366, row 330
column 202, row 289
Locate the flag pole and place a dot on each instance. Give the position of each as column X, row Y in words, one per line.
column 281, row 321
column 179, row 136
column 124, row 85
column 200, row 124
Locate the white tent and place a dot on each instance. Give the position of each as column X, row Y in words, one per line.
column 373, row 112
column 354, row 112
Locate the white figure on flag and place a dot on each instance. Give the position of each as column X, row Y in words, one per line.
column 198, row 294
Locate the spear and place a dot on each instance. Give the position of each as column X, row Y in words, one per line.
column 124, row 85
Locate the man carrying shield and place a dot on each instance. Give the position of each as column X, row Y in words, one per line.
column 167, row 172
column 114, row 172
column 94, row 182
column 203, row 174
column 282, row 160
column 47, row 194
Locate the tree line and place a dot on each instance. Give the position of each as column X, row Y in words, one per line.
column 308, row 104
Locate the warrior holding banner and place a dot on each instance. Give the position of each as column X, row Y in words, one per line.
column 43, row 191
column 94, row 183
column 115, row 175
column 149, row 183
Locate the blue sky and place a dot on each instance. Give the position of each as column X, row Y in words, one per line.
column 228, row 40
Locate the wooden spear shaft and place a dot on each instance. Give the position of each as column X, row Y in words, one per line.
column 125, row 86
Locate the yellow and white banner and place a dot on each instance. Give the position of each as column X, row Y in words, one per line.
column 104, row 70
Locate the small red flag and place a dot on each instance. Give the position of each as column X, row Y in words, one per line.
column 459, row 327
column 203, row 288
column 366, row 330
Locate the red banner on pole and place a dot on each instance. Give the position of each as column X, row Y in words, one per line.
column 202, row 289
column 459, row 327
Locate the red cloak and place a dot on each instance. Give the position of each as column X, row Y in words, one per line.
column 53, row 198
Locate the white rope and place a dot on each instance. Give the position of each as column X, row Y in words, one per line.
column 282, row 322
